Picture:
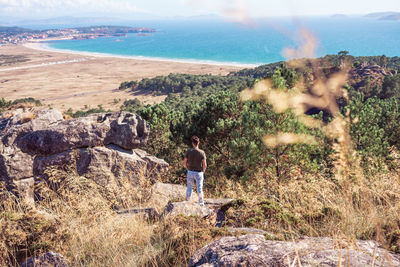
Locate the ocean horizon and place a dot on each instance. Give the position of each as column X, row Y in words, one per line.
column 222, row 42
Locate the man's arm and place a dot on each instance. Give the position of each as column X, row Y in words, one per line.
column 185, row 163
column 204, row 165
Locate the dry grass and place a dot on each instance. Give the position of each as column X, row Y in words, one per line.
column 77, row 218
column 348, row 206
column 28, row 117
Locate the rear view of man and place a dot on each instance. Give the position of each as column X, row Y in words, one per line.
column 195, row 163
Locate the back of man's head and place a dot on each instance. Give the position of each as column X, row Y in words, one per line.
column 195, row 140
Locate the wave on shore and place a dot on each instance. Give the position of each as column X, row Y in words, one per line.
column 43, row 46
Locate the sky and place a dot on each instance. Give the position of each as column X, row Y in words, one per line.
column 170, row 8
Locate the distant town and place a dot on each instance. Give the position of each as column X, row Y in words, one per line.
column 17, row 35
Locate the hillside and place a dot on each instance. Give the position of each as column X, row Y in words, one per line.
column 384, row 15
column 305, row 151
column 13, row 30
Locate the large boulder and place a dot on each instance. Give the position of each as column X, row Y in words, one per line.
column 124, row 129
column 187, row 208
column 103, row 147
column 14, row 125
column 104, row 164
column 255, row 250
column 161, row 194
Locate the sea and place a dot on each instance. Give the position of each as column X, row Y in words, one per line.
column 257, row 42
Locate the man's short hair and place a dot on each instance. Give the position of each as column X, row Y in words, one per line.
column 195, row 140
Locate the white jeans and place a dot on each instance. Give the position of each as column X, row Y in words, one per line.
column 191, row 177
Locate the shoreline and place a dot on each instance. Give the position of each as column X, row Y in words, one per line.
column 44, row 46
column 70, row 80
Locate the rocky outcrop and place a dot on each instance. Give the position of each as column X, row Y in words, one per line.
column 188, row 209
column 374, row 74
column 161, row 194
column 46, row 260
column 103, row 164
column 14, row 125
column 255, row 250
column 213, row 209
column 123, row 129
column 103, row 147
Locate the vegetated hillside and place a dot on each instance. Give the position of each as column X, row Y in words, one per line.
column 289, row 178
column 232, row 130
column 329, row 173
column 105, row 29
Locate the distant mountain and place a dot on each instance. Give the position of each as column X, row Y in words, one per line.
column 13, row 30
column 66, row 20
column 384, row 15
column 391, row 17
column 81, row 21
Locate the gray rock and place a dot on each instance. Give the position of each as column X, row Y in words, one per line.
column 161, row 194
column 31, row 119
column 187, row 208
column 48, row 259
column 155, row 167
column 211, row 208
column 254, row 250
column 17, row 165
column 14, row 125
column 124, row 129
column 102, row 147
column 104, row 165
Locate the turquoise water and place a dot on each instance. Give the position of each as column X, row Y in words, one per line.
column 227, row 42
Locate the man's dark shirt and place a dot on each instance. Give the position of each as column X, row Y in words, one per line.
column 195, row 158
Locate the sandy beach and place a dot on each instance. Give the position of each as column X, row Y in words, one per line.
column 74, row 80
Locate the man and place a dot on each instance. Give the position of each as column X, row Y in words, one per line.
column 195, row 163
